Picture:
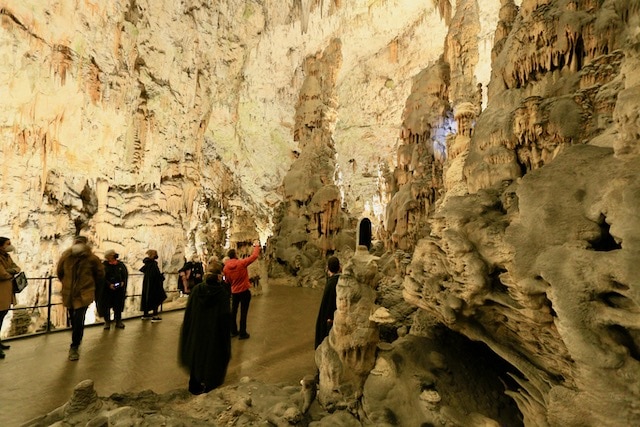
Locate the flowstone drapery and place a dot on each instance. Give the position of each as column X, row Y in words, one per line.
column 413, row 185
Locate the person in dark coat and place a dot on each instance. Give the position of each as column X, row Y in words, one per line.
column 328, row 304
column 112, row 291
column 153, row 293
column 191, row 273
column 205, row 337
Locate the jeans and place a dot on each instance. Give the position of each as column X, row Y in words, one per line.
column 242, row 299
column 76, row 316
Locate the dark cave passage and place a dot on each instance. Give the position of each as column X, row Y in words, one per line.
column 481, row 373
column 606, row 242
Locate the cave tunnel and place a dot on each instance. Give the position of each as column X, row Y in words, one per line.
column 476, row 370
column 364, row 233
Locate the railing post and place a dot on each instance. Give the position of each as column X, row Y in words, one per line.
column 49, row 305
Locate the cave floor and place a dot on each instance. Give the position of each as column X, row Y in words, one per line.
column 36, row 376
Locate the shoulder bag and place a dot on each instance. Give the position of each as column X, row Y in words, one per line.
column 19, row 282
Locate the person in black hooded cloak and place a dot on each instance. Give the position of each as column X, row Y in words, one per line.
column 205, row 337
column 153, row 293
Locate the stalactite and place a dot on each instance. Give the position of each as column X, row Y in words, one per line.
column 61, row 61
column 138, row 139
column 102, row 193
column 393, row 51
column 305, row 11
column 189, row 194
column 444, row 8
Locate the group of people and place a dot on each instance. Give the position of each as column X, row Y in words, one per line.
column 210, row 317
column 210, row 320
column 85, row 278
column 209, row 324
column 191, row 274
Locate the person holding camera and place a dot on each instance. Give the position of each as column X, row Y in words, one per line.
column 113, row 292
column 237, row 275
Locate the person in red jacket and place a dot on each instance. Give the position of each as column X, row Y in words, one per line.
column 236, row 274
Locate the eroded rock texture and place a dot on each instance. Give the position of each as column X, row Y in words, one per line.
column 347, row 355
column 311, row 221
column 536, row 261
column 511, row 211
column 106, row 116
column 153, row 123
column 413, row 184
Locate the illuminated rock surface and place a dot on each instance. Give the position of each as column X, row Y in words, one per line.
column 494, row 146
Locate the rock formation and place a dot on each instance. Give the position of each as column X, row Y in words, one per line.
column 311, row 222
column 534, row 260
column 347, row 355
column 494, row 146
column 412, row 187
column 106, row 132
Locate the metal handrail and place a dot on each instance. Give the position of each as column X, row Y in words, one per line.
column 169, row 289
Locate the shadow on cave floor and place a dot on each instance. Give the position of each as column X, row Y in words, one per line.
column 36, row 376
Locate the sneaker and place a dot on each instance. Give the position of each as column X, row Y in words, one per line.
column 156, row 319
column 74, row 354
column 120, row 325
column 146, row 318
column 244, row 336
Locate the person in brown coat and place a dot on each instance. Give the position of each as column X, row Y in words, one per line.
column 8, row 269
column 80, row 271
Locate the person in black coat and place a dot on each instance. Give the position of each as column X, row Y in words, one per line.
column 111, row 293
column 328, row 305
column 153, row 293
column 191, row 273
column 205, row 337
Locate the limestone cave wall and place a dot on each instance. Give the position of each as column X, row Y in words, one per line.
column 531, row 252
column 106, row 114
column 154, row 123
column 497, row 144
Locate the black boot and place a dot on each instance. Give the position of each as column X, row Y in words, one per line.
column 4, row 346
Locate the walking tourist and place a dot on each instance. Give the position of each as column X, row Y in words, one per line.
column 80, row 271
